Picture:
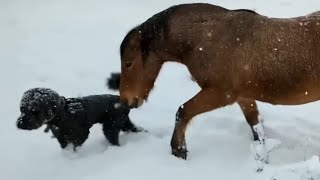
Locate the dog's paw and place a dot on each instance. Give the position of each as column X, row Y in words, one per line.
column 67, row 147
column 47, row 129
column 139, row 129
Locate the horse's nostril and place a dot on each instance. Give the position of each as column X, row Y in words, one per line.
column 123, row 104
column 130, row 101
column 135, row 103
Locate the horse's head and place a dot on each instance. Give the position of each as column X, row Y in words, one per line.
column 139, row 68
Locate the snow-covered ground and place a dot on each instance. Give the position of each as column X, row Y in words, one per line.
column 72, row 46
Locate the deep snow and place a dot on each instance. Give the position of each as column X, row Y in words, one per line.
column 72, row 46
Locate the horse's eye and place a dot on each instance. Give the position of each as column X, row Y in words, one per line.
column 128, row 64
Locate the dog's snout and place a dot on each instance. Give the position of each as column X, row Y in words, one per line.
column 20, row 124
column 27, row 124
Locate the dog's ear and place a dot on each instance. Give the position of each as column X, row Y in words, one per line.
column 58, row 104
column 61, row 104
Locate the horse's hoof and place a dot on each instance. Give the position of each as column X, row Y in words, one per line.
column 255, row 136
column 180, row 153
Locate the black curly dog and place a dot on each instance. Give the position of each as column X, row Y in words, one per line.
column 70, row 119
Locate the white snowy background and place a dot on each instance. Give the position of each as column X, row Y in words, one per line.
column 71, row 46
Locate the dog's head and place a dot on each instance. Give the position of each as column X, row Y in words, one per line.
column 38, row 106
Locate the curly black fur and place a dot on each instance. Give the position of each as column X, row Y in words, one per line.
column 113, row 82
column 70, row 119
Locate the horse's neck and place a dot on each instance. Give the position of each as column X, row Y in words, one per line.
column 169, row 50
column 166, row 56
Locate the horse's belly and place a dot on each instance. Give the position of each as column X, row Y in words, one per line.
column 290, row 99
column 288, row 96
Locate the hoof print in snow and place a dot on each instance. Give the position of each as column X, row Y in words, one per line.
column 306, row 170
column 263, row 147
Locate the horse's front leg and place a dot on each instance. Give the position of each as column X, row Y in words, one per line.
column 205, row 100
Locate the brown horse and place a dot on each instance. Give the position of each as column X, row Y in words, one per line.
column 233, row 55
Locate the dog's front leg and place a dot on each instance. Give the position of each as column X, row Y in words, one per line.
column 130, row 127
column 60, row 136
column 111, row 132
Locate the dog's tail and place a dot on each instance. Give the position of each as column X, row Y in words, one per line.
column 113, row 82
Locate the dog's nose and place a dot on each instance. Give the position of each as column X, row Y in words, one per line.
column 20, row 124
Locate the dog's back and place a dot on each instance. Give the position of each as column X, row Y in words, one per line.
column 100, row 107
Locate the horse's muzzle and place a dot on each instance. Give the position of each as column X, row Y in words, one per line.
column 134, row 103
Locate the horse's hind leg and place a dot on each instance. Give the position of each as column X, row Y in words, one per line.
column 204, row 101
column 251, row 113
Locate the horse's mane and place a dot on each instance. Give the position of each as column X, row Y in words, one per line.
column 126, row 40
column 246, row 10
column 154, row 28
